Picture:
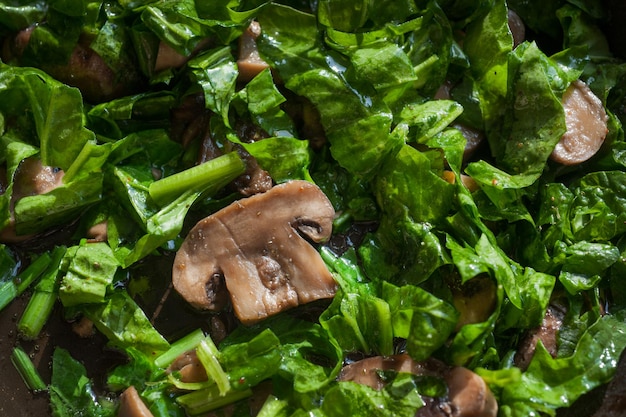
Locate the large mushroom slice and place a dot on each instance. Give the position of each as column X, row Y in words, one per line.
column 254, row 249
column 586, row 125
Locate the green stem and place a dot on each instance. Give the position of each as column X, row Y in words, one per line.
column 8, row 292
column 273, row 407
column 203, row 401
column 44, row 297
column 208, row 177
column 32, row 272
column 36, row 314
column 209, row 357
column 16, row 286
column 182, row 345
column 27, row 370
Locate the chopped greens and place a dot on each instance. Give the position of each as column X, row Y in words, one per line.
column 122, row 123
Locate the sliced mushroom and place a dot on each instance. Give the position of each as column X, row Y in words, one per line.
column 586, row 123
column 131, row 404
column 31, row 178
column 255, row 180
column 89, row 72
column 517, row 28
column 13, row 46
column 367, row 371
column 250, row 62
column 444, row 91
column 547, row 333
column 98, row 232
column 466, row 180
column 468, row 394
column 85, row 69
column 84, row 328
column 475, row 300
column 34, row 178
column 189, row 366
column 168, row 57
column 474, row 138
column 254, row 246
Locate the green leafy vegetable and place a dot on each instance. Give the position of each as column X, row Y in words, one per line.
column 429, row 126
column 91, row 269
column 71, row 391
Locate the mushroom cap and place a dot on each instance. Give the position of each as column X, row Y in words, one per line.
column 131, row 404
column 254, row 249
column 586, row 125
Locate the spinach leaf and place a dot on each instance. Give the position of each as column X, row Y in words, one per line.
column 552, row 383
column 72, row 392
column 124, row 323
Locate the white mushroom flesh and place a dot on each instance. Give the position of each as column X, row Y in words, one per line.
column 586, row 123
column 469, row 394
column 131, row 404
column 249, row 62
column 256, row 247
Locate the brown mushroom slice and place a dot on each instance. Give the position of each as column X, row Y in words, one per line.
column 250, row 62
column 169, row 58
column 468, row 394
column 189, row 366
column 475, row 300
column 34, row 178
column 84, row 328
column 85, row 69
column 367, row 371
column 31, row 178
column 131, row 404
column 469, row 182
column 586, row 123
column 255, row 246
column 517, row 28
column 474, row 139
column 546, row 333
column 98, row 232
column 13, row 46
